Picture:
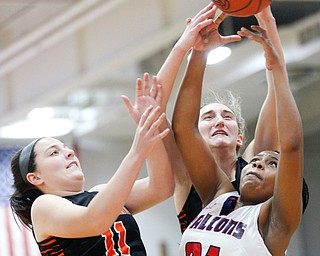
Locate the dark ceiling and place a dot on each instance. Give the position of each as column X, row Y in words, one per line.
column 285, row 12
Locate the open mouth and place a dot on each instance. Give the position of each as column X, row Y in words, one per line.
column 219, row 132
column 72, row 164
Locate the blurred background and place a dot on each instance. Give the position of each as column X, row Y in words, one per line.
column 65, row 63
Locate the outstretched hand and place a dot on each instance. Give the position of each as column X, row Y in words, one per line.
column 145, row 97
column 202, row 32
column 211, row 37
column 260, row 36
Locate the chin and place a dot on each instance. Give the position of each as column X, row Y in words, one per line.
column 219, row 144
column 251, row 186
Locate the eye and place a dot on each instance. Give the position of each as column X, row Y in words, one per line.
column 54, row 152
column 207, row 118
column 273, row 164
column 253, row 160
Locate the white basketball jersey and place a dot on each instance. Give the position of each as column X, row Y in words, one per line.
column 221, row 231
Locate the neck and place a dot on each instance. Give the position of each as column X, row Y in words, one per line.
column 226, row 160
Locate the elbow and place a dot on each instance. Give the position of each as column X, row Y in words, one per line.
column 169, row 185
column 99, row 223
column 182, row 123
column 167, row 191
column 176, row 126
column 99, row 226
column 182, row 130
column 170, row 190
column 100, row 229
column 164, row 190
column 294, row 143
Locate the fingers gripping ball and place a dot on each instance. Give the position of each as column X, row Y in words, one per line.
column 241, row 8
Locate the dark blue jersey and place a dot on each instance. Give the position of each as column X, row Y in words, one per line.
column 123, row 238
column 193, row 205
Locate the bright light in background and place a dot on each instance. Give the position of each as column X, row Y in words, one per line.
column 217, row 55
column 41, row 113
column 35, row 129
column 40, row 122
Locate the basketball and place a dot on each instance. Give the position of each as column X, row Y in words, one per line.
column 241, row 8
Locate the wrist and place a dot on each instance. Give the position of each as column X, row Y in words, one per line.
column 199, row 54
column 134, row 156
column 179, row 49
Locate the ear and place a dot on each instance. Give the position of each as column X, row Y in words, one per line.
column 34, row 179
column 239, row 141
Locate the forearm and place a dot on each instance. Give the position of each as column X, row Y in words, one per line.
column 196, row 154
column 188, row 102
column 288, row 187
column 160, row 172
column 154, row 188
column 268, row 22
column 174, row 154
column 290, row 124
column 266, row 135
column 168, row 72
column 106, row 205
column 287, row 194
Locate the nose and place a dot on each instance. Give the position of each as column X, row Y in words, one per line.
column 69, row 153
column 258, row 165
column 219, row 121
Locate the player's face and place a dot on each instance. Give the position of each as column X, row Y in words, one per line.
column 218, row 126
column 258, row 177
column 57, row 167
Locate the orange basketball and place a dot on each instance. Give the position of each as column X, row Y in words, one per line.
column 241, row 8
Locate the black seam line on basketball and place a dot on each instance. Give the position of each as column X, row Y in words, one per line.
column 259, row 5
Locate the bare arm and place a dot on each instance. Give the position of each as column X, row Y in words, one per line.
column 191, row 37
column 287, row 203
column 196, row 153
column 159, row 185
column 266, row 135
column 166, row 76
column 280, row 216
column 200, row 163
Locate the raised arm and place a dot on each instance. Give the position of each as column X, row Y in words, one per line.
column 189, row 38
column 281, row 215
column 266, row 135
column 159, row 185
column 196, row 153
column 166, row 76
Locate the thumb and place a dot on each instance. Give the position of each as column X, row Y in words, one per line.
column 230, row 39
column 127, row 103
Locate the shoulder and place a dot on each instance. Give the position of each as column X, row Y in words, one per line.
column 46, row 202
column 45, row 198
column 97, row 188
column 45, row 205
